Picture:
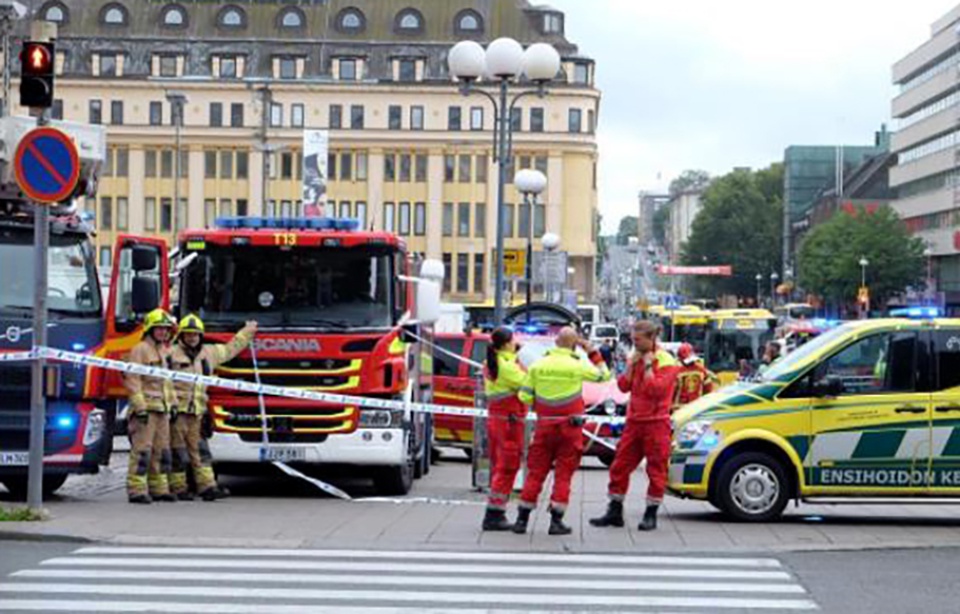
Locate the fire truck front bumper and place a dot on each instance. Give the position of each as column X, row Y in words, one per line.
column 365, row 447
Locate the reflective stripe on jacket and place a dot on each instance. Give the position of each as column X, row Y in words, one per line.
column 193, row 397
column 502, row 392
column 150, row 393
column 554, row 384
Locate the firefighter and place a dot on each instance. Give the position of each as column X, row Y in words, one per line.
column 190, row 447
column 694, row 379
column 650, row 379
column 503, row 377
column 554, row 386
column 151, row 399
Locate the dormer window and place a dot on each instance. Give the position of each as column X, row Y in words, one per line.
column 55, row 13
column 174, row 16
column 351, row 21
column 291, row 18
column 468, row 22
column 232, row 17
column 409, row 21
column 553, row 23
column 113, row 15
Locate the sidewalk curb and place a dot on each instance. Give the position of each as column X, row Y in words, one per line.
column 27, row 536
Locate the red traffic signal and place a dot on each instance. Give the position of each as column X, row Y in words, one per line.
column 36, row 74
column 37, row 59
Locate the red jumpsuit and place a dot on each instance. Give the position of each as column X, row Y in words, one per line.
column 505, row 428
column 555, row 387
column 647, row 432
column 693, row 381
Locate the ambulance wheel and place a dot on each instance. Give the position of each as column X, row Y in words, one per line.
column 18, row 485
column 753, row 487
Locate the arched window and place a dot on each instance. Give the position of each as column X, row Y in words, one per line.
column 113, row 15
column 468, row 22
column 232, row 17
column 174, row 16
column 351, row 20
column 291, row 18
column 409, row 21
column 55, row 13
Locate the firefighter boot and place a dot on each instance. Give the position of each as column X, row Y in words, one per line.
column 612, row 518
column 496, row 520
column 556, row 524
column 141, row 499
column 523, row 517
column 649, row 522
column 166, row 498
column 213, row 493
column 185, row 496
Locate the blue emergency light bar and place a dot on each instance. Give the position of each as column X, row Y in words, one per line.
column 916, row 312
column 287, row 223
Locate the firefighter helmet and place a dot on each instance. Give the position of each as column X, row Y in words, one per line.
column 158, row 318
column 191, row 324
column 685, row 351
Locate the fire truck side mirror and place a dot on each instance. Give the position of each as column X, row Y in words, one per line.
column 428, row 302
column 144, row 258
column 145, row 296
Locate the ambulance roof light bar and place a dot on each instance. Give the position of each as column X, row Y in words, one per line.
column 916, row 312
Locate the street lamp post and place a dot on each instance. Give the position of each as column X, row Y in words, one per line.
column 773, row 288
column 864, row 305
column 503, row 61
column 759, row 281
column 530, row 183
column 176, row 100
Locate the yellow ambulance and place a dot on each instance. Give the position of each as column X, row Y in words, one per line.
column 869, row 410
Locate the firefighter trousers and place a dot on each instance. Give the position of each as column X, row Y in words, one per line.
column 150, row 459
column 642, row 440
column 190, row 450
column 505, row 438
column 557, row 445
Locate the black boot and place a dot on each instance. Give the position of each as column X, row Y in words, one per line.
column 613, row 517
column 141, row 499
column 167, row 498
column 213, row 493
column 185, row 496
column 523, row 517
column 556, row 524
column 496, row 520
column 649, row 522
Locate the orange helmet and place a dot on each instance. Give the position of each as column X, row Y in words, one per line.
column 685, row 351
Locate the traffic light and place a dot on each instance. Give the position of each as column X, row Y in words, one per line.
column 36, row 75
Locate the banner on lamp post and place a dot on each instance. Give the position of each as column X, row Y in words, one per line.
column 706, row 271
column 315, row 148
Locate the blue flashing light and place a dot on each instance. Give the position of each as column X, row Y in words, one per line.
column 916, row 312
column 287, row 223
column 710, row 440
column 65, row 422
column 78, row 347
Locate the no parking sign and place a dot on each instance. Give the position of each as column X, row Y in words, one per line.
column 47, row 165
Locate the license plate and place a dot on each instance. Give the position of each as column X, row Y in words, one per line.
column 12, row 459
column 282, row 454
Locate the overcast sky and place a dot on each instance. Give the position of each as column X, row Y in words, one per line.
column 716, row 84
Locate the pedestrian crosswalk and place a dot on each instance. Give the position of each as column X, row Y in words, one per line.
column 261, row 581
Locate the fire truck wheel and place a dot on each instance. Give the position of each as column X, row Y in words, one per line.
column 394, row 481
column 18, row 485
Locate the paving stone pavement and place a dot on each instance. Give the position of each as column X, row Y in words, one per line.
column 278, row 511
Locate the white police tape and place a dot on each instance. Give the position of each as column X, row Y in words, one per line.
column 18, row 356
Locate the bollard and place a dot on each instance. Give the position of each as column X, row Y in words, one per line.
column 481, row 451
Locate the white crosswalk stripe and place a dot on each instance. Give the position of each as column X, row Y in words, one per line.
column 258, row 581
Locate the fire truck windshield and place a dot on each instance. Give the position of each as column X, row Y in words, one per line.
column 296, row 288
column 73, row 288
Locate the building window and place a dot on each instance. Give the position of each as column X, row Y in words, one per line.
column 553, row 23
column 332, row 166
column 286, row 165
column 168, row 66
column 276, row 115
column 113, row 14
column 108, row 65
column 407, row 70
column 508, row 215
column 108, row 164
column 448, row 271
column 468, row 22
column 449, row 168
column 344, row 211
column 575, row 121
column 453, row 118
column 463, row 220
column 406, row 170
column 56, row 13
column 420, row 219
column 236, row 115
column 296, row 115
column 416, row 118
column 540, row 163
column 480, row 220
column 476, row 118
column 228, row 67
column 516, row 119
column 106, row 213
column 181, row 220
column 389, row 210
column 362, row 166
column 291, row 18
column 481, row 173
column 56, row 112
column 362, row 213
column 174, row 16
column 216, row 114
column 422, row 163
column 336, row 116
column 448, row 219
column 123, row 213
column 150, row 163
column 232, row 17
column 409, row 21
column 539, row 220
column 95, row 112
column 209, row 212
column 390, row 167
column 536, row 119
column 166, row 163
column 478, row 273
column 348, row 69
column 395, row 117
column 150, row 214
column 356, row 117
column 463, row 272
column 123, row 162
column 288, row 68
column 581, row 74
column 351, row 21
column 243, row 165
column 346, row 166
column 465, row 168
column 210, row 164
column 156, row 113
column 404, row 228
column 226, row 164
column 116, row 112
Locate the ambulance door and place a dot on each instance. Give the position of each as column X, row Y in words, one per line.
column 945, row 438
column 870, row 418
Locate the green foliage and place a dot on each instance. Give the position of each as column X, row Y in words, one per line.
column 740, row 224
column 829, row 257
column 629, row 227
column 689, row 180
column 19, row 514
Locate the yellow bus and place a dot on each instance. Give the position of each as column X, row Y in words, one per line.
column 689, row 324
column 736, row 335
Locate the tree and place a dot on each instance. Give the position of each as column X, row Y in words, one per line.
column 660, row 220
column 739, row 224
column 829, row 257
column 629, row 227
column 689, row 180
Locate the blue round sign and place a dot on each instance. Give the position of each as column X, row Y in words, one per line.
column 46, row 165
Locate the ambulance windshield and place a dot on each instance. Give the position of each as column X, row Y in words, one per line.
column 791, row 362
